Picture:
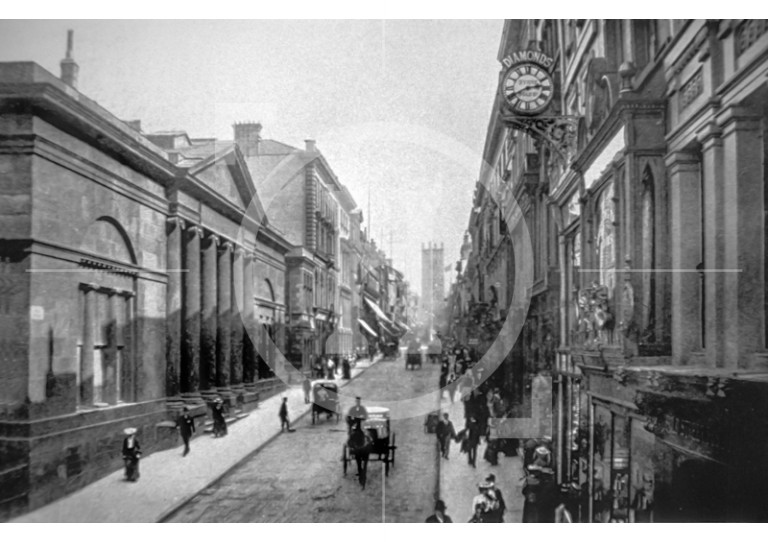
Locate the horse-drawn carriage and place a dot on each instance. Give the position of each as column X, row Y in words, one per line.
column 371, row 436
column 413, row 360
column 390, row 350
column 325, row 400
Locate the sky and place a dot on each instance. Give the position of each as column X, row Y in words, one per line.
column 399, row 108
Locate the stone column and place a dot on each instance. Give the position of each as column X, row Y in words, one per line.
column 208, row 324
column 712, row 163
column 685, row 243
column 249, row 340
column 743, row 185
column 128, row 377
column 236, row 376
column 109, row 356
column 174, row 228
column 224, row 308
column 190, row 345
column 86, row 369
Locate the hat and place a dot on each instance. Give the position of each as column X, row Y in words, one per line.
column 490, row 478
column 440, row 505
column 542, row 450
column 484, row 485
column 129, row 430
column 358, row 398
column 218, row 400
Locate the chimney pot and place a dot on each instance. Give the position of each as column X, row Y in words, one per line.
column 69, row 68
column 310, row 143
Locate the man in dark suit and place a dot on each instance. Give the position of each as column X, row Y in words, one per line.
column 445, row 432
column 186, row 425
column 473, row 440
column 439, row 516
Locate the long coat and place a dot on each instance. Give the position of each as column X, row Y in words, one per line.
column 186, row 425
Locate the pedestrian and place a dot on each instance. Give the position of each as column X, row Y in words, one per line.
column 186, row 425
column 219, row 420
column 439, row 516
column 307, row 386
column 318, row 367
column 484, row 504
column 131, row 454
column 330, row 368
column 452, row 383
column 562, row 515
column 445, row 432
column 285, row 423
column 346, row 369
column 442, row 383
column 498, row 514
column 473, row 440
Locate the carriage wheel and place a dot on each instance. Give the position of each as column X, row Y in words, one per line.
column 344, row 458
column 313, row 416
column 393, row 447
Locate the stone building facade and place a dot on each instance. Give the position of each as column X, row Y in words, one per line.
column 127, row 285
column 652, row 209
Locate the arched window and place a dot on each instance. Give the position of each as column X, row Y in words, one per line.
column 648, row 250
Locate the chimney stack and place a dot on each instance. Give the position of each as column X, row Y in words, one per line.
column 247, row 137
column 69, row 67
column 310, row 143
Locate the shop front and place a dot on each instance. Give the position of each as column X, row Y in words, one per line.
column 674, row 444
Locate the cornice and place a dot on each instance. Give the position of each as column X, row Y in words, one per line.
column 614, row 121
column 72, row 115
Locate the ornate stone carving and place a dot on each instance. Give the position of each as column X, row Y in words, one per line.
column 595, row 319
column 620, row 375
column 627, row 305
column 717, row 387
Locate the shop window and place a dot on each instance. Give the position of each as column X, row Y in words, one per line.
column 642, row 474
column 611, row 474
column 601, row 475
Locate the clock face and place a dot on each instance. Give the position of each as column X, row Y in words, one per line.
column 528, row 88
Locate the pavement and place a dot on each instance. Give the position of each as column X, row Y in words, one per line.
column 458, row 480
column 169, row 480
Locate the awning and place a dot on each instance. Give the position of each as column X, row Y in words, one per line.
column 389, row 330
column 402, row 326
column 377, row 310
column 366, row 328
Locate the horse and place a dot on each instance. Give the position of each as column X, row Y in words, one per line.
column 360, row 444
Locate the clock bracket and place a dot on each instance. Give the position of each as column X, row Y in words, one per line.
column 558, row 132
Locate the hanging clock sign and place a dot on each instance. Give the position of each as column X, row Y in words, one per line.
column 527, row 85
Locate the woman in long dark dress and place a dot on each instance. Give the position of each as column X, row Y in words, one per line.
column 219, row 422
column 131, row 454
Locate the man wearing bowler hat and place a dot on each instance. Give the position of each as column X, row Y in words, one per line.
column 439, row 516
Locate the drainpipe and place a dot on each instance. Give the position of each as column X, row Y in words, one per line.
column 561, row 39
column 591, row 479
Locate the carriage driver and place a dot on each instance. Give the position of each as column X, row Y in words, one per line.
column 356, row 414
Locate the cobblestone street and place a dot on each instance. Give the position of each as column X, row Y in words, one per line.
column 298, row 477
